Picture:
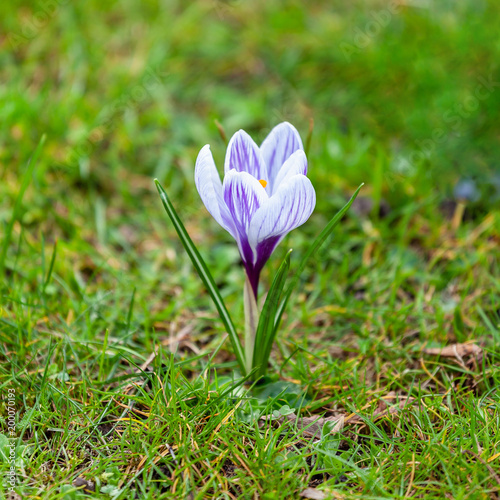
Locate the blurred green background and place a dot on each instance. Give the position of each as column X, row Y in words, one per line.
column 135, row 86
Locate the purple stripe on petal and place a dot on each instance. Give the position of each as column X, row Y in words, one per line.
column 295, row 165
column 243, row 195
column 278, row 146
column 243, row 155
column 288, row 208
column 264, row 251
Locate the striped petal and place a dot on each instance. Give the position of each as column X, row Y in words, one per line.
column 209, row 186
column 243, row 155
column 278, row 146
column 295, row 165
column 288, row 208
column 243, row 196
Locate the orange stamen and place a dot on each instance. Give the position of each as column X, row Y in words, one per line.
column 263, row 183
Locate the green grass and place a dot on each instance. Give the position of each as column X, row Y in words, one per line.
column 94, row 279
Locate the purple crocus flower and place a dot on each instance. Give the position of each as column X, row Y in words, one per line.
column 265, row 193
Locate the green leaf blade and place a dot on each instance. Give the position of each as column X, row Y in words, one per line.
column 320, row 239
column 266, row 332
column 204, row 274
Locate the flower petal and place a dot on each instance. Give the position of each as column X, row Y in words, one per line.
column 295, row 165
column 243, row 195
column 288, row 208
column 278, row 146
column 209, row 186
column 244, row 155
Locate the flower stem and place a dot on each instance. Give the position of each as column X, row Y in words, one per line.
column 251, row 322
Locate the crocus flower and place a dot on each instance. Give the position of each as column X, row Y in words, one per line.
column 265, row 193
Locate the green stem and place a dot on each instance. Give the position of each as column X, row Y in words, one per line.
column 251, row 322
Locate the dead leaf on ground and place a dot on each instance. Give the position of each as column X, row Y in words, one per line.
column 457, row 351
column 313, row 494
column 454, row 350
column 310, row 426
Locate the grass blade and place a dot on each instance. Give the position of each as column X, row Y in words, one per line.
column 204, row 274
column 251, row 323
column 16, row 212
column 266, row 331
column 51, row 267
column 311, row 251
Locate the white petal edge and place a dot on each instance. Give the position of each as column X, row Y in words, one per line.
column 282, row 141
column 295, row 165
column 288, row 209
column 243, row 155
column 209, row 187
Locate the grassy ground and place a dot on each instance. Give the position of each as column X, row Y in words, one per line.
column 94, row 280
